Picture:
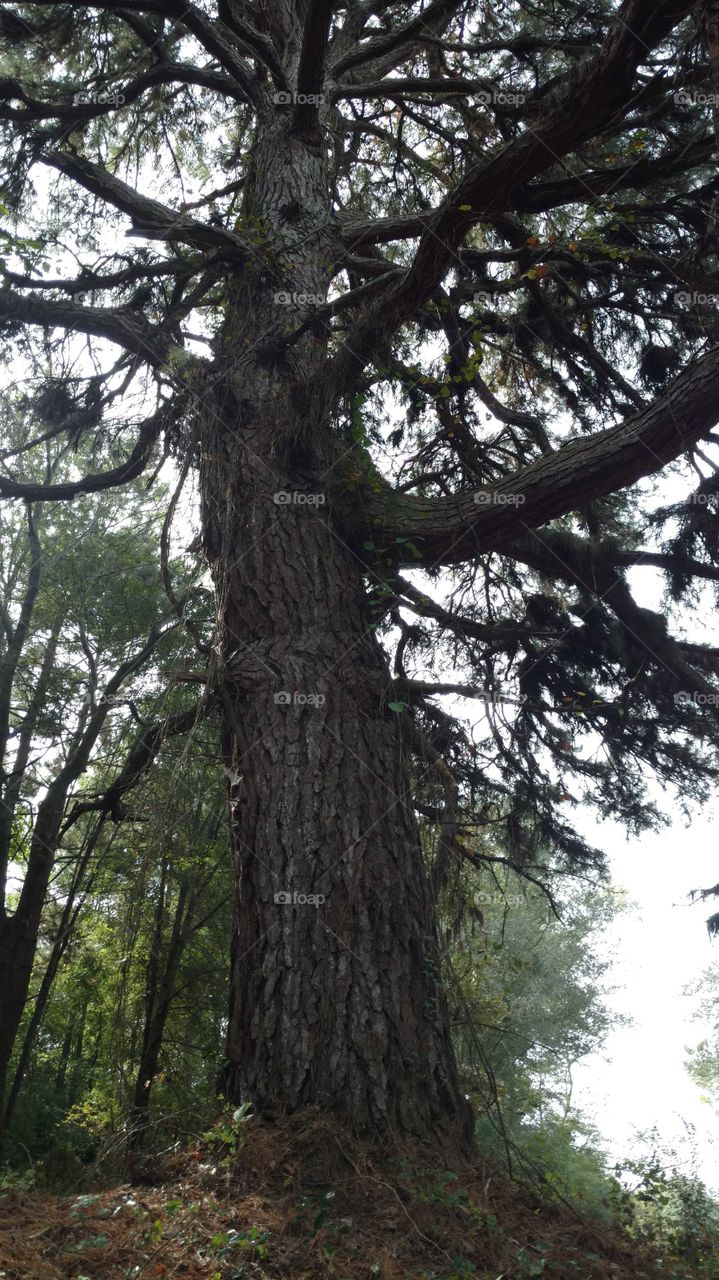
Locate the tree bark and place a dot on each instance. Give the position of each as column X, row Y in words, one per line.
column 335, row 994
column 336, row 997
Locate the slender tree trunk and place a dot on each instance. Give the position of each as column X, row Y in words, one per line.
column 61, row 1073
column 336, row 999
column 70, row 913
column 18, row 933
column 11, row 1019
column 161, row 988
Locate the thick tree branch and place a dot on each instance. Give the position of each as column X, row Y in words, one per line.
column 127, row 330
column 254, row 42
column 669, row 563
column 217, row 40
column 436, row 12
column 542, row 196
column 129, row 92
column 311, row 71
column 582, row 109
column 452, row 530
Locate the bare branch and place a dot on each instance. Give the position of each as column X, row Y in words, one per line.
column 166, row 73
column 133, row 466
column 436, row 12
column 149, row 218
column 139, row 758
column 582, row 109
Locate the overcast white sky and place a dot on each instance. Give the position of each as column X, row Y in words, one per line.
column 661, row 946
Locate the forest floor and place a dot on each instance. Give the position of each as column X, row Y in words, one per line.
column 302, row 1200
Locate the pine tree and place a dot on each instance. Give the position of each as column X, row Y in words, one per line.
column 454, row 318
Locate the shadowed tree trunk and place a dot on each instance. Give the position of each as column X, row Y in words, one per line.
column 70, row 913
column 19, row 931
column 335, row 991
column 335, row 987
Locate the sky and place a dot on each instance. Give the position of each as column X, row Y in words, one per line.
column 661, row 946
column 639, row 1079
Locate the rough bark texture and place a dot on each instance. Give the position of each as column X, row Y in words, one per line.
column 335, row 996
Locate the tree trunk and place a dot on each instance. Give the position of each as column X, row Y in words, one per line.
column 70, row 913
column 160, row 991
column 19, row 933
column 336, row 998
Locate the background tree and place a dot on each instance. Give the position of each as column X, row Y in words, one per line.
column 420, row 295
column 136, row 1007
column 703, row 1060
column 83, row 631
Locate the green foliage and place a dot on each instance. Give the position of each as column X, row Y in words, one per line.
column 75, row 1106
column 228, row 1134
column 251, row 1241
column 528, row 998
column 12, row 1179
column 672, row 1211
column 703, row 1061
